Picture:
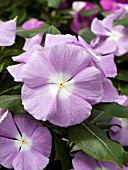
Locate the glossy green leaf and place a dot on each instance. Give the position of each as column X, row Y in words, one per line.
column 95, row 143
column 113, row 109
column 12, row 103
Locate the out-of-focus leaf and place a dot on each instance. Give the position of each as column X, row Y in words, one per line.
column 123, row 21
column 95, row 143
column 89, row 12
column 54, row 3
column 87, row 34
column 113, row 109
column 1, row 67
column 126, row 158
column 32, row 32
column 12, row 103
column 61, row 154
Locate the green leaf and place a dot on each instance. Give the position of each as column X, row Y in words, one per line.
column 54, row 3
column 12, row 103
column 32, row 32
column 123, row 21
column 113, row 109
column 87, row 34
column 122, row 75
column 126, row 158
column 1, row 67
column 61, row 154
column 95, row 143
column 29, row 33
column 89, row 12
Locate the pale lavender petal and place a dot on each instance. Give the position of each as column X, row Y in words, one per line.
column 52, row 40
column 16, row 71
column 32, row 160
column 8, row 150
column 31, row 42
column 110, row 92
column 121, row 135
column 76, row 24
column 23, row 58
column 8, row 127
column 125, row 167
column 3, row 114
column 97, row 27
column 82, row 161
column 67, row 59
column 108, row 65
column 41, row 101
column 116, row 121
column 32, row 23
column 26, row 124
column 122, row 100
column 71, row 109
column 88, row 85
column 7, row 32
column 42, row 141
column 106, row 47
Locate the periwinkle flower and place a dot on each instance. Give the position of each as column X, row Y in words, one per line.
column 7, row 33
column 30, row 24
column 120, row 134
column 82, row 161
column 81, row 21
column 110, row 39
column 61, row 84
column 105, row 64
column 24, row 143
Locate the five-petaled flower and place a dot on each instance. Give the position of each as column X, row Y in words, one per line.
column 24, row 143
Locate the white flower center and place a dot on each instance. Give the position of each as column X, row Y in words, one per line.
column 114, row 35
column 23, row 143
column 124, row 122
column 61, row 84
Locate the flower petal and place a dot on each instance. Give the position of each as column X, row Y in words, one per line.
column 110, row 92
column 3, row 114
column 41, row 101
column 8, row 151
column 52, row 40
column 60, row 59
column 16, row 71
column 108, row 65
column 26, row 124
column 71, row 109
column 82, row 161
column 42, row 141
column 7, row 32
column 87, row 85
column 30, row 160
column 8, row 128
column 98, row 28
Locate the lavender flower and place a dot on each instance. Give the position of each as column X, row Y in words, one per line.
column 61, row 84
column 110, row 39
column 100, row 62
column 3, row 114
column 117, row 133
column 81, row 21
column 24, row 142
column 7, row 32
column 30, row 42
column 82, row 161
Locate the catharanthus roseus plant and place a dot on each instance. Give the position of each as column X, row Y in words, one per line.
column 64, row 85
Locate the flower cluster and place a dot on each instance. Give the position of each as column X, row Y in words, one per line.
column 63, row 85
